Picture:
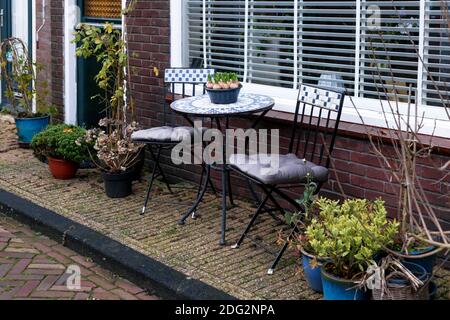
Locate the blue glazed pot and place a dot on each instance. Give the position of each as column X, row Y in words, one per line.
column 427, row 263
column 27, row 128
column 225, row 96
column 416, row 269
column 313, row 276
column 340, row 289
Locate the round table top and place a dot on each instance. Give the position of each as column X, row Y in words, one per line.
column 202, row 105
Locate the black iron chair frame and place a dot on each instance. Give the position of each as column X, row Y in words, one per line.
column 157, row 170
column 224, row 168
column 269, row 190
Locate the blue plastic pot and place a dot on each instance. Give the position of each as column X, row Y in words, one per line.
column 340, row 289
column 27, row 128
column 224, row 96
column 313, row 275
column 427, row 263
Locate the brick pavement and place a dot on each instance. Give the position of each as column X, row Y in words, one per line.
column 33, row 266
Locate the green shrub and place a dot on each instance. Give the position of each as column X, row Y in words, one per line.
column 350, row 234
column 60, row 142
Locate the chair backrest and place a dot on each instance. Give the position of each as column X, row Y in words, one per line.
column 184, row 82
column 317, row 116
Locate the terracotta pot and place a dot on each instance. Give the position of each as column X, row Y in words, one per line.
column 62, row 169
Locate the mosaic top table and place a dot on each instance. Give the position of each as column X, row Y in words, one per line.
column 201, row 107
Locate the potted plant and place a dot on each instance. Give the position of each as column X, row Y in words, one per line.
column 310, row 261
column 394, row 280
column 223, row 88
column 19, row 75
column 59, row 145
column 403, row 147
column 350, row 235
column 114, row 152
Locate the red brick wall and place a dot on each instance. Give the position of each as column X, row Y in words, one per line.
column 356, row 168
column 50, row 51
column 149, row 44
column 44, row 46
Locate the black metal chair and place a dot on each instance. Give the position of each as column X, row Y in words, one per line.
column 178, row 83
column 317, row 116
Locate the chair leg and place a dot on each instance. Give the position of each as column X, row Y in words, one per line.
column 288, row 199
column 160, row 170
column 200, row 187
column 252, row 221
column 277, row 260
column 253, row 192
column 281, row 253
column 277, row 204
column 199, row 199
column 230, row 193
column 152, row 178
column 210, row 181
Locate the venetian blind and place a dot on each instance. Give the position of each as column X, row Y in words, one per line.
column 436, row 74
column 370, row 47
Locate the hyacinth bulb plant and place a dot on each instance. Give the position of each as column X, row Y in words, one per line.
column 223, row 81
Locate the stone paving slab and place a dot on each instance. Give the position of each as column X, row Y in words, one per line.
column 192, row 249
column 34, row 267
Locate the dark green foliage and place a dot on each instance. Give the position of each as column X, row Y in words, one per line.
column 61, row 142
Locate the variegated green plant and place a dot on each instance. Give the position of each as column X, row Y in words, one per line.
column 350, row 234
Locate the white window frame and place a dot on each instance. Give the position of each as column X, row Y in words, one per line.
column 71, row 19
column 435, row 122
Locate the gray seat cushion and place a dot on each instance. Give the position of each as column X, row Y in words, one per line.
column 163, row 134
column 291, row 169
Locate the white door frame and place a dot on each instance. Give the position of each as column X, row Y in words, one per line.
column 71, row 19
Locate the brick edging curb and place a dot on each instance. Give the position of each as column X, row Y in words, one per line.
column 108, row 253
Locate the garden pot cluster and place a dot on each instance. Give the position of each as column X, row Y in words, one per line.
column 352, row 236
column 64, row 147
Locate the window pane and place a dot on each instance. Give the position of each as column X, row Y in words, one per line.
column 326, row 47
column 437, row 54
column 271, row 43
column 389, row 58
column 327, row 32
column 225, row 22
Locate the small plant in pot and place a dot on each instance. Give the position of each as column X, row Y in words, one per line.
column 19, row 74
column 115, row 153
column 223, row 88
column 350, row 235
column 59, row 145
column 311, row 262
